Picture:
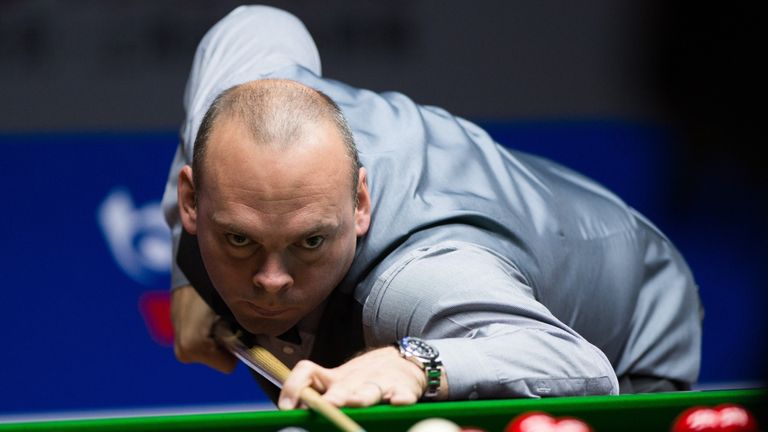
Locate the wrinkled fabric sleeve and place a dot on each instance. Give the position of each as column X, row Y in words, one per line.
column 494, row 338
column 247, row 44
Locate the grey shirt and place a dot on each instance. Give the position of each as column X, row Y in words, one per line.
column 530, row 279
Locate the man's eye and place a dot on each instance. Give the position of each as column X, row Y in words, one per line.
column 313, row 242
column 238, row 240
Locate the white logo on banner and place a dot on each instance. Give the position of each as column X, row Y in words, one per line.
column 139, row 239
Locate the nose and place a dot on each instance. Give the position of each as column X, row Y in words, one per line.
column 272, row 275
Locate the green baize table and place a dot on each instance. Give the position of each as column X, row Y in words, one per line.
column 645, row 412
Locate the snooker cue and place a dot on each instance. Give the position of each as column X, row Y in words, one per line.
column 269, row 366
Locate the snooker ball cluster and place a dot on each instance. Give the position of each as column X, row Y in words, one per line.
column 722, row 418
column 528, row 422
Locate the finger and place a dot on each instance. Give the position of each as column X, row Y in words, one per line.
column 338, row 395
column 221, row 360
column 192, row 320
column 204, row 350
column 404, row 394
column 304, row 374
column 345, row 393
column 367, row 394
column 183, row 350
column 403, row 398
column 190, row 347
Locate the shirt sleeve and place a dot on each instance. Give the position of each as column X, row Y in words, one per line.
column 495, row 339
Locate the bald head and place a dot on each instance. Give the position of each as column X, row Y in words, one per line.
column 276, row 113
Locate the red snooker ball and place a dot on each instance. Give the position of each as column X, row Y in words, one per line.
column 722, row 418
column 542, row 422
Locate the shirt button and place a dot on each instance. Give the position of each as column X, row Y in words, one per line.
column 288, row 350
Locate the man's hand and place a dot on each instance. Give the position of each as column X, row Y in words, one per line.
column 377, row 376
column 192, row 321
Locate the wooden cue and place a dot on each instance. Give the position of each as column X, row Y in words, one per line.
column 268, row 363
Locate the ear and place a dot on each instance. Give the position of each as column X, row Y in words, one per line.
column 363, row 210
column 187, row 200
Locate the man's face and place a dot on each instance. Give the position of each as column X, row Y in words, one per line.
column 277, row 228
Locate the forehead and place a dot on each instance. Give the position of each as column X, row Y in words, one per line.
column 310, row 174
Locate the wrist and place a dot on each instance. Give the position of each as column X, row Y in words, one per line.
column 430, row 370
column 414, row 369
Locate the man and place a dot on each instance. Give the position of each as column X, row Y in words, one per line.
column 499, row 274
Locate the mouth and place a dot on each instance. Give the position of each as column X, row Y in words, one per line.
column 266, row 312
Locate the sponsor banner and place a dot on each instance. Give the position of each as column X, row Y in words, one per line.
column 84, row 254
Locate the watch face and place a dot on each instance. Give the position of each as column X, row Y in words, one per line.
column 419, row 348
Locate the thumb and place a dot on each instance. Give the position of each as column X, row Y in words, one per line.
column 221, row 359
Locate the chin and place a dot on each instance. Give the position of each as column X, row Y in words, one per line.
column 262, row 326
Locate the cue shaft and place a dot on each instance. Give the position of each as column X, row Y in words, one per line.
column 269, row 366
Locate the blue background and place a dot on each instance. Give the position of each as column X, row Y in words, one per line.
column 74, row 338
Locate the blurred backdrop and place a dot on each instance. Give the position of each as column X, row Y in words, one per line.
column 648, row 97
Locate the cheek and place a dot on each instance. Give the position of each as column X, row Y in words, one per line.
column 330, row 269
column 225, row 273
column 343, row 254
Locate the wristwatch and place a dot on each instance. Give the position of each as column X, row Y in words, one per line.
column 427, row 358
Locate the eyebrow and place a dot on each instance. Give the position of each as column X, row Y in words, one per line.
column 328, row 227
column 229, row 226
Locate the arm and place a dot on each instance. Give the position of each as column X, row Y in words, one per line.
column 192, row 321
column 379, row 375
column 494, row 338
